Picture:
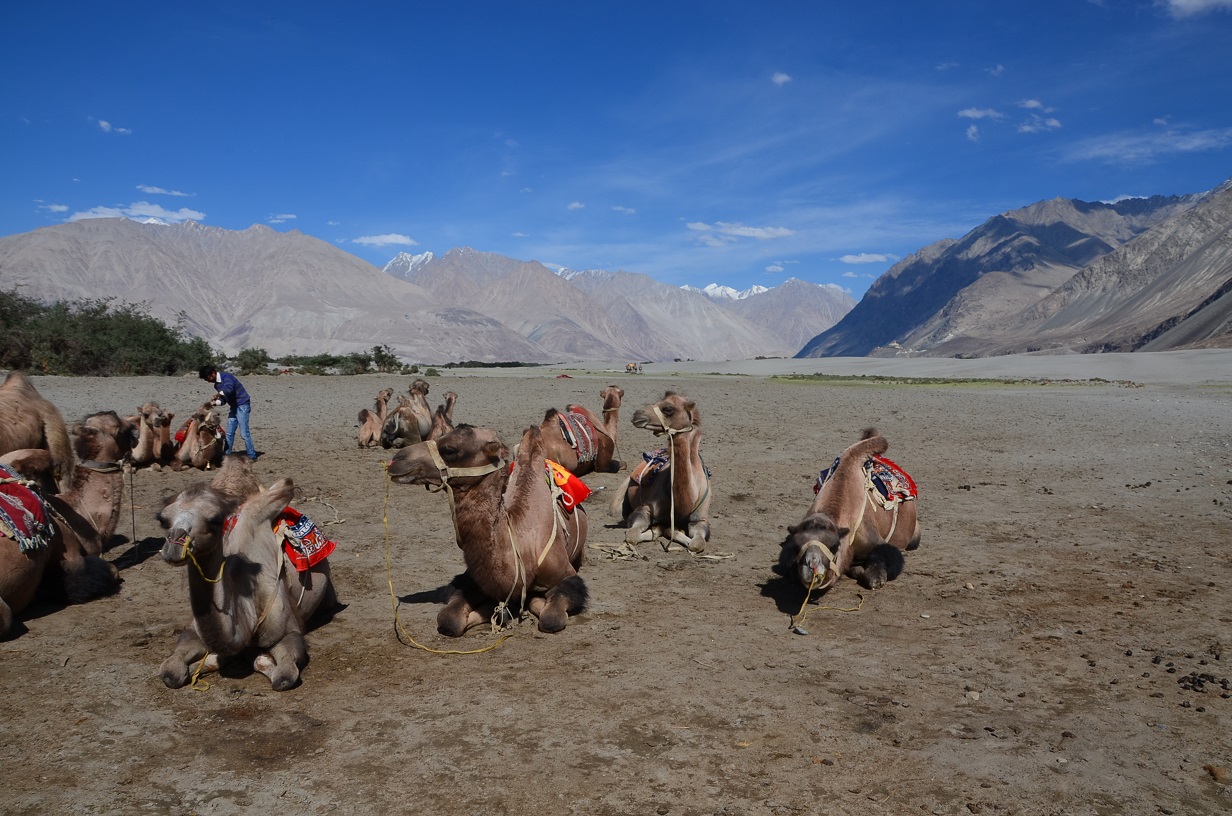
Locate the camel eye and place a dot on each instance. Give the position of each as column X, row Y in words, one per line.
column 668, row 410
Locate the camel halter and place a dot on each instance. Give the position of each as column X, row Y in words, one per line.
column 671, row 457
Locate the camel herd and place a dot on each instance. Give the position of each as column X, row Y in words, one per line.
column 518, row 515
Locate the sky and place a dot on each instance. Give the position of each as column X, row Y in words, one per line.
column 738, row 143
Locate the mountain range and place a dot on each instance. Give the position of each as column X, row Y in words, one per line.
column 1059, row 275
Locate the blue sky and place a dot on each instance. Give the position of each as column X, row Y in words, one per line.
column 739, row 143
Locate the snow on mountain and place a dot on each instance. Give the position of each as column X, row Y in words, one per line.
column 404, row 264
column 716, row 292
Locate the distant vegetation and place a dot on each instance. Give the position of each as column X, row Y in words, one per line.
column 93, row 338
column 878, row 379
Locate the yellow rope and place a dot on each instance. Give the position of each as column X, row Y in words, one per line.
column 402, row 634
column 197, row 684
column 798, row 619
column 188, row 552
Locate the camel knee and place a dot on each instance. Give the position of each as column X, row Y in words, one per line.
column 6, row 618
column 883, row 564
column 89, row 577
column 282, row 663
column 569, row 597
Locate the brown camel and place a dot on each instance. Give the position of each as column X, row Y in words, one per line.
column 851, row 528
column 102, row 441
column 371, row 419
column 202, row 442
column 669, row 496
column 241, row 588
column 521, row 550
column 55, row 551
column 29, row 421
column 411, row 421
column 579, row 441
column 153, row 445
column 442, row 417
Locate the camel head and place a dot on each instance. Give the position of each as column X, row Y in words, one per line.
column 611, row 396
column 194, row 521
column 811, row 550
column 418, row 387
column 384, row 395
column 671, row 415
column 152, row 414
column 464, row 451
column 103, row 437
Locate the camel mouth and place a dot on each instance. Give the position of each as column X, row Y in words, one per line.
column 176, row 548
column 640, row 420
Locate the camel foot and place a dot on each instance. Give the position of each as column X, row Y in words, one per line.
column 282, row 678
column 693, row 544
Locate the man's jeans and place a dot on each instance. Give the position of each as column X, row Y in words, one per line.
column 238, row 418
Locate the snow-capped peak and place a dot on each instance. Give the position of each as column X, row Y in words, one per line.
column 717, row 292
column 404, row 263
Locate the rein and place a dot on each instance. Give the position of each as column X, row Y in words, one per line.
column 671, row 452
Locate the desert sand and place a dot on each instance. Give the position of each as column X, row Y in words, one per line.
column 1057, row 644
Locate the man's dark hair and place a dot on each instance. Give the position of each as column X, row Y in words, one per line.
column 207, row 373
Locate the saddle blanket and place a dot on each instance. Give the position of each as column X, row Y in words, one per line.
column 891, row 481
column 577, row 431
column 23, row 516
column 304, row 544
column 652, row 462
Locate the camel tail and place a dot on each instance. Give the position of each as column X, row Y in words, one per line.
column 868, row 447
column 363, row 415
column 616, row 506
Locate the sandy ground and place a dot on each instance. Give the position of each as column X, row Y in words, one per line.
column 1037, row 655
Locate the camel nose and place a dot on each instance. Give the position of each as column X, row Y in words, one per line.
column 176, row 545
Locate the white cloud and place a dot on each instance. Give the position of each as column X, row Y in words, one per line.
column 973, row 133
column 1135, row 148
column 56, row 208
column 107, row 127
column 576, row 205
column 860, row 275
column 1039, row 124
column 996, row 70
column 868, row 257
column 521, row 234
column 1034, row 104
column 147, row 189
column 142, row 211
column 780, row 78
column 625, row 210
column 388, row 239
column 281, row 218
column 775, row 267
column 1193, row 8
column 981, row 113
column 722, row 232
column 946, row 66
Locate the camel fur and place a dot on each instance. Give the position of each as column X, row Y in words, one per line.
column 203, row 441
column 102, row 441
column 673, row 503
column 242, row 592
column 69, row 565
column 27, row 420
column 153, row 445
column 846, row 531
column 558, row 449
column 371, row 419
column 520, row 549
column 411, row 421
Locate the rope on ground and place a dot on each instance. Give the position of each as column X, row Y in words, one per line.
column 335, row 519
column 797, row 622
column 403, row 636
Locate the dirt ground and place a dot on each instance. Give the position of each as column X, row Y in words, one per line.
column 1056, row 645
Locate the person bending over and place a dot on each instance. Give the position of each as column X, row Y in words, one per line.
column 231, row 392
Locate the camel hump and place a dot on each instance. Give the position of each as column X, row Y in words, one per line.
column 868, row 433
column 549, row 413
column 870, row 446
column 19, row 381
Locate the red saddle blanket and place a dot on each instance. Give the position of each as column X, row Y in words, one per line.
column 572, row 490
column 891, row 481
column 304, row 544
column 23, row 516
column 577, row 431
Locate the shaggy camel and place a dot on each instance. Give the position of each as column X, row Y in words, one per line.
column 371, row 419
column 669, row 497
column 518, row 545
column 579, row 441
column 411, row 421
column 153, row 445
column 56, row 552
column 102, row 441
column 29, row 421
column 851, row 529
column 202, row 443
column 442, row 417
column 241, row 590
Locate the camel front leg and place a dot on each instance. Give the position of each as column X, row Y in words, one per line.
column 638, row 523
column 569, row 597
column 464, row 608
column 282, row 663
column 189, row 653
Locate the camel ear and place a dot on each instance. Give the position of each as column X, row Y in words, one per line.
column 695, row 413
column 495, row 450
column 792, row 529
column 842, row 531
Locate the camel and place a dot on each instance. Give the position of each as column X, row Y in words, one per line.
column 411, row 421
column 241, row 590
column 203, row 440
column 579, row 441
column 518, row 545
column 29, row 421
column 57, row 541
column 442, row 417
column 850, row 528
column 102, row 441
column 371, row 420
column 153, row 445
column 672, row 498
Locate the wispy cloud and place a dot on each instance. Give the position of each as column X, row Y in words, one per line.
column 868, row 257
column 973, row 133
column 1141, row 148
column 625, row 210
column 281, row 218
column 981, row 113
column 107, row 127
column 388, row 239
column 774, row 267
column 55, row 208
column 576, row 205
column 996, row 70
column 142, row 211
column 780, row 78
column 1039, row 124
column 149, row 190
column 722, row 233
column 1034, row 104
column 1193, row 8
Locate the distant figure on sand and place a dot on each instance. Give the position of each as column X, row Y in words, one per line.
column 231, row 392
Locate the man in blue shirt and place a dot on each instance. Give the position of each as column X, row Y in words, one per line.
column 231, row 392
